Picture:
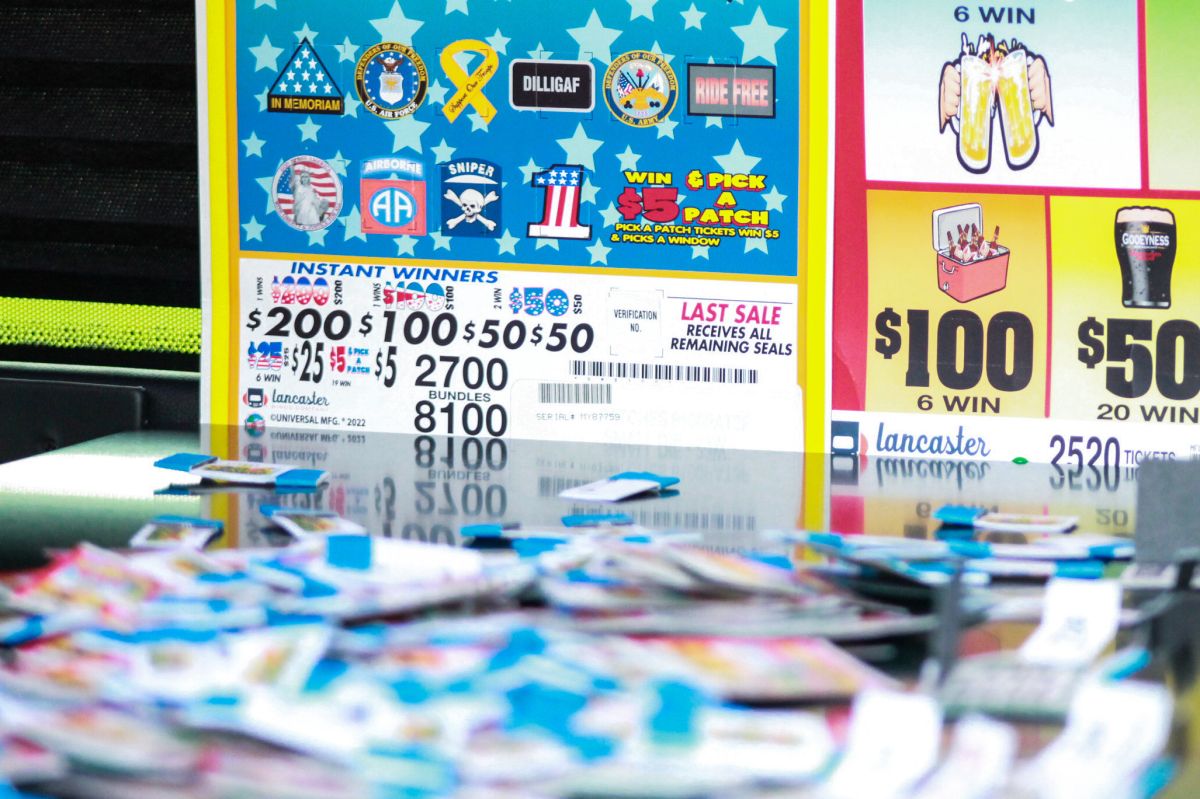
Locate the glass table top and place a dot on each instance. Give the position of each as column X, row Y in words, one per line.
column 427, row 488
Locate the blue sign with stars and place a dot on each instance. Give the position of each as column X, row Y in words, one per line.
column 580, row 188
column 305, row 86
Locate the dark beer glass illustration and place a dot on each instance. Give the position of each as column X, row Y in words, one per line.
column 1146, row 242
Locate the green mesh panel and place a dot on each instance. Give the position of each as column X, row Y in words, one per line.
column 99, row 325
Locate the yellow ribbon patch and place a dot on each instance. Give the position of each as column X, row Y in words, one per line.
column 470, row 87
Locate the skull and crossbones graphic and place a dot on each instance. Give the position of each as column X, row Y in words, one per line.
column 472, row 202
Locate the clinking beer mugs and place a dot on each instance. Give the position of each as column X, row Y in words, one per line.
column 1016, row 110
column 975, row 111
column 995, row 76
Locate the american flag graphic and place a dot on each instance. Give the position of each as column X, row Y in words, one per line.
column 265, row 355
column 305, row 85
column 322, row 179
column 626, row 83
column 305, row 75
column 560, row 206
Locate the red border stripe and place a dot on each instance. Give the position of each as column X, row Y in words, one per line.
column 1144, row 102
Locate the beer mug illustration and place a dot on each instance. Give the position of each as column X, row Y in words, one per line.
column 1017, row 123
column 976, row 106
column 1146, row 244
column 993, row 78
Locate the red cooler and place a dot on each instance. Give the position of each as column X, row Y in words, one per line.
column 966, row 281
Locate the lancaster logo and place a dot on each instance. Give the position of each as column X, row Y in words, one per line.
column 254, row 397
column 925, row 444
column 312, row 398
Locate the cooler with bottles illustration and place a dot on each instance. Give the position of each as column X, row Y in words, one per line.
column 969, row 266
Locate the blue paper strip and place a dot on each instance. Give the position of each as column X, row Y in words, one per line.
column 958, row 515
column 300, row 478
column 482, row 530
column 184, row 461
column 664, row 481
column 169, row 518
column 596, row 519
column 1080, row 569
column 348, row 551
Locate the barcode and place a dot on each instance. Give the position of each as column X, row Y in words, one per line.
column 575, row 393
column 663, row 371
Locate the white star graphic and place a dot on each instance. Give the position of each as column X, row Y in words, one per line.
column 774, row 199
column 499, row 42
column 692, row 18
column 339, row 163
column 406, row 132
column 352, row 105
column 254, row 145
column 594, row 39
column 308, row 129
column 540, row 54
column 261, row 3
column 436, row 93
column 528, row 171
column 268, row 185
column 666, row 129
column 714, row 122
column 736, row 161
column 253, row 229
column 442, row 152
column 629, row 159
column 508, row 243
column 477, row 122
column 440, row 242
column 580, row 149
column 262, row 99
column 306, row 33
column 656, row 48
column 641, row 8
column 456, row 5
column 353, row 223
column 347, row 51
column 756, row 244
column 266, row 55
column 396, row 27
column 551, row 243
column 699, row 251
column 599, row 252
column 610, row 215
column 405, row 245
column 758, row 38
column 316, row 238
column 588, row 193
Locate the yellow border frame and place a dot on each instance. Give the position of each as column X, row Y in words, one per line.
column 813, row 362
column 221, row 97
